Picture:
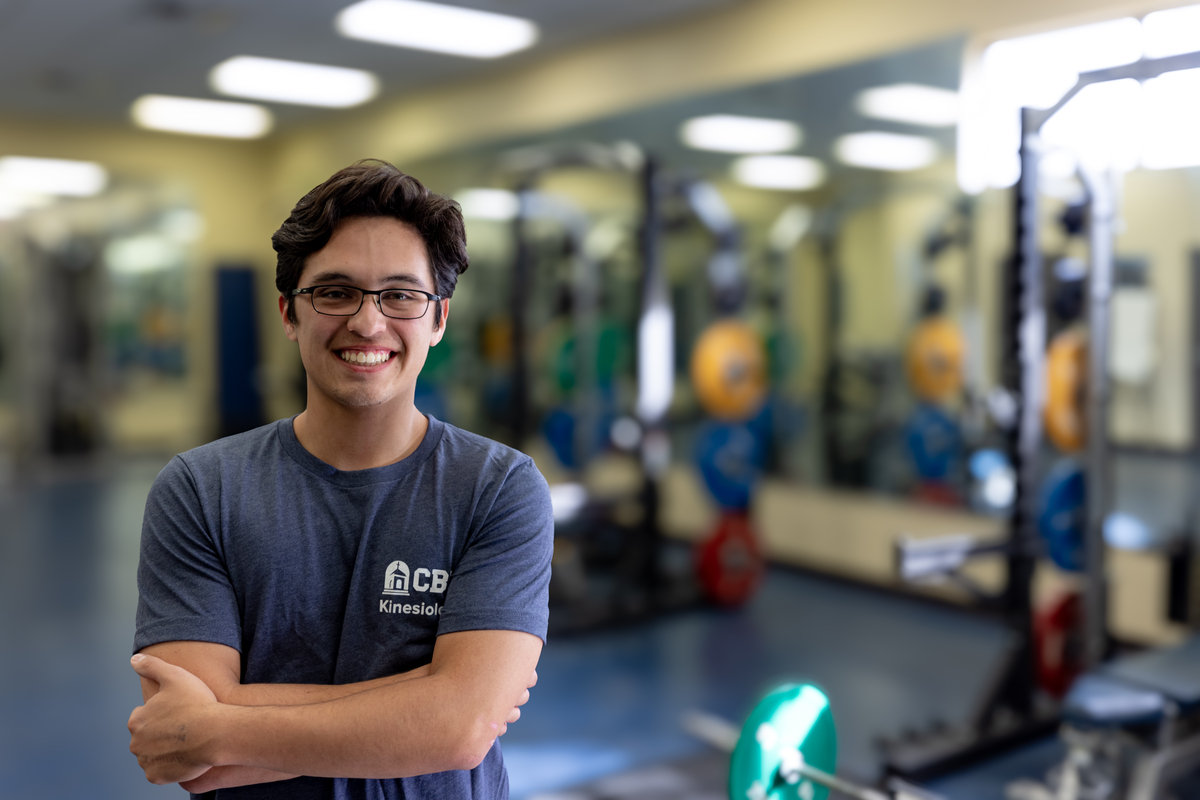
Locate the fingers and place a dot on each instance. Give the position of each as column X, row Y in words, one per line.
column 163, row 673
column 513, row 716
column 533, row 679
column 151, row 668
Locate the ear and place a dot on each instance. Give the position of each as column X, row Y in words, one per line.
column 440, row 330
column 289, row 327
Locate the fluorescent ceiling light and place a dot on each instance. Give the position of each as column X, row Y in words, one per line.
column 51, row 176
column 491, row 204
column 1037, row 70
column 786, row 173
column 726, row 133
column 910, row 102
column 790, row 227
column 13, row 203
column 147, row 252
column 1101, row 125
column 1058, row 164
column 436, row 27
column 201, row 117
column 293, row 82
column 1033, row 71
column 889, row 151
column 1172, row 32
column 1171, row 121
column 182, row 225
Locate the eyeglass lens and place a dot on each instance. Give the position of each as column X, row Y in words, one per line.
column 344, row 301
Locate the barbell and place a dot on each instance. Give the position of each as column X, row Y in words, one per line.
column 788, row 749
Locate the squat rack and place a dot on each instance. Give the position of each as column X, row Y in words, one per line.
column 1008, row 713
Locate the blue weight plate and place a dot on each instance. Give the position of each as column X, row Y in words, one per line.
column 731, row 458
column 934, row 441
column 1062, row 514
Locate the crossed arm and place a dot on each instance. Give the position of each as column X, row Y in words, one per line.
column 201, row 727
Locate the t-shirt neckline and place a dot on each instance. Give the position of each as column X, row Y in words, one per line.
column 360, row 477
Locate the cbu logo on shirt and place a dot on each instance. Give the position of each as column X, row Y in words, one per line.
column 398, row 580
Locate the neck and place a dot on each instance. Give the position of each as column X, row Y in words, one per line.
column 360, row 438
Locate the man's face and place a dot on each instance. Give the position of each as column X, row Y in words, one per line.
column 368, row 253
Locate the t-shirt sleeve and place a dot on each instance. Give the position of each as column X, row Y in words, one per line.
column 184, row 589
column 502, row 581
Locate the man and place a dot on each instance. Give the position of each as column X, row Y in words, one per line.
column 357, row 595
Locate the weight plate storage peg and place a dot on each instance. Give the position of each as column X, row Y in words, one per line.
column 791, row 728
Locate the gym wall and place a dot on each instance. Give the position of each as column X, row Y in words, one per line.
column 243, row 190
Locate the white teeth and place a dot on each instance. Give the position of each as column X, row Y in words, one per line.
column 361, row 357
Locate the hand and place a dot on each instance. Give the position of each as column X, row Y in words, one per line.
column 166, row 733
column 515, row 714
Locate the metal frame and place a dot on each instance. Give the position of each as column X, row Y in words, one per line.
column 1026, row 347
column 1008, row 713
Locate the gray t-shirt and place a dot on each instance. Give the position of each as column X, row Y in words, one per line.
column 321, row 576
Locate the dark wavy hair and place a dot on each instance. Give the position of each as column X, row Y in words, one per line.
column 372, row 188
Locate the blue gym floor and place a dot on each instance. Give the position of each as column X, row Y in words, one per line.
column 608, row 702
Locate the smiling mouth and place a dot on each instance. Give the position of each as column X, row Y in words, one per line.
column 365, row 358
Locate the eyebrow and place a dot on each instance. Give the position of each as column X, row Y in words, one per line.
column 341, row 277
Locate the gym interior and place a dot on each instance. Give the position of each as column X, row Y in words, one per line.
column 856, row 340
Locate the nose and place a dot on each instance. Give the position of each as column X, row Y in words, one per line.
column 369, row 320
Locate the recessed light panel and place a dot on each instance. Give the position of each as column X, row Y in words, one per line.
column 20, row 175
column 784, row 173
column 436, row 27
column 1171, row 121
column 491, row 204
column 887, row 151
column 202, row 117
column 1030, row 71
column 1172, row 32
column 727, row 133
column 1102, row 125
column 293, row 82
column 14, row 203
column 1037, row 70
column 910, row 102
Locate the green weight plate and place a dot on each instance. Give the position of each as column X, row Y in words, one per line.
column 793, row 718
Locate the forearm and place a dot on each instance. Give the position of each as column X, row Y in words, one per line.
column 283, row 694
column 223, row 684
column 399, row 730
column 445, row 720
column 297, row 694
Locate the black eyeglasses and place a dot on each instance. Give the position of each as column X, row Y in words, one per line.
column 345, row 301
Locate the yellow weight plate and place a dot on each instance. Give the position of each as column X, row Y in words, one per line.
column 934, row 359
column 729, row 371
column 1066, row 381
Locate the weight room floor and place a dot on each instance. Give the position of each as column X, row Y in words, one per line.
column 605, row 715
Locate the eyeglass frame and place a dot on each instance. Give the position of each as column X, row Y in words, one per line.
column 308, row 290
